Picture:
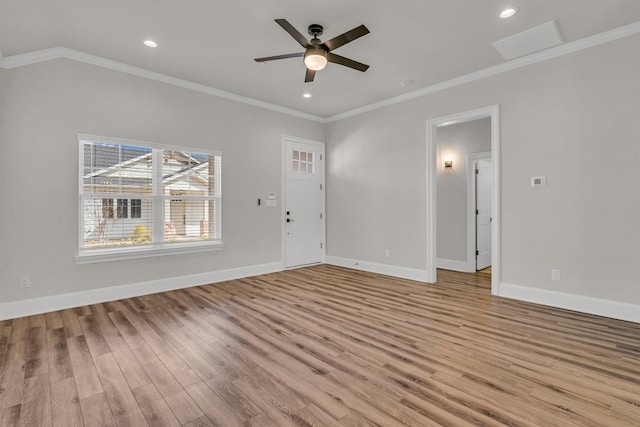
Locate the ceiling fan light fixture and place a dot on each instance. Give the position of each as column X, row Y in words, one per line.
column 315, row 59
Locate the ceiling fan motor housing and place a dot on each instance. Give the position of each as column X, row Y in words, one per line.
column 315, row 30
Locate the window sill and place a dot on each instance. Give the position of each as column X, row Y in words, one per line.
column 88, row 256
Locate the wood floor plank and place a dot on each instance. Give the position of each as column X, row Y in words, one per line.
column 58, row 356
column 219, row 412
column 65, row 405
column 84, row 370
column 154, row 407
column 123, row 405
column 71, row 324
column 12, row 374
column 320, row 346
column 200, row 422
column 93, row 335
column 96, row 411
column 10, row 417
column 36, row 404
column 37, row 357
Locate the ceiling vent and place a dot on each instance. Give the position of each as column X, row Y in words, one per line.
column 532, row 40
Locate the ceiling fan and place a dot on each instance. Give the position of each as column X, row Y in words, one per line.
column 316, row 53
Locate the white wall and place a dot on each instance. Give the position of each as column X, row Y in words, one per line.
column 456, row 142
column 45, row 105
column 573, row 119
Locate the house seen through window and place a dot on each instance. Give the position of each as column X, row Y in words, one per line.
column 136, row 196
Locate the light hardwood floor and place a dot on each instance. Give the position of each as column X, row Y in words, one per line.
column 320, row 346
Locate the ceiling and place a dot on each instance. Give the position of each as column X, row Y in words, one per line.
column 213, row 42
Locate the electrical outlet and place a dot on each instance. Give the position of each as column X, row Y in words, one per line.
column 387, row 253
column 555, row 274
column 25, row 282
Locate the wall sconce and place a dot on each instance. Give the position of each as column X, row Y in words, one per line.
column 448, row 164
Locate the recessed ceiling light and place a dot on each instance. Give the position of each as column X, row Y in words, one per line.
column 150, row 43
column 508, row 12
column 306, row 95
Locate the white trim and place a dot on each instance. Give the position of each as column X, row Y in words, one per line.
column 534, row 58
column 35, row 57
column 583, row 304
column 89, row 256
column 472, row 158
column 386, row 269
column 455, row 265
column 496, row 255
column 21, row 308
column 283, row 191
column 38, row 56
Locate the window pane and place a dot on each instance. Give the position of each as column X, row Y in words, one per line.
column 123, row 208
column 136, row 208
column 189, row 220
column 114, row 168
column 189, row 173
column 101, row 228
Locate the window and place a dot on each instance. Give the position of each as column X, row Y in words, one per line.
column 136, row 208
column 138, row 198
column 303, row 162
column 107, row 208
column 123, row 208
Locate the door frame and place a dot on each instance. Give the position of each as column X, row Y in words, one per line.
column 492, row 112
column 472, row 237
column 283, row 191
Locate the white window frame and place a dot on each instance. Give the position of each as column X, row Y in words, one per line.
column 158, row 247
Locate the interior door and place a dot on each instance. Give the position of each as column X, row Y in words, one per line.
column 483, row 213
column 304, row 221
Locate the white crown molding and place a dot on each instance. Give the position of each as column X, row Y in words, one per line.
column 63, row 52
column 583, row 304
column 28, row 307
column 524, row 61
column 35, row 57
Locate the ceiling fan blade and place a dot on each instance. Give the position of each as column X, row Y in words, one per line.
column 309, row 76
column 345, row 38
column 285, row 56
column 293, row 32
column 337, row 59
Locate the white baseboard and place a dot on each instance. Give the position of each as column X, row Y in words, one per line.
column 451, row 264
column 21, row 308
column 372, row 267
column 597, row 306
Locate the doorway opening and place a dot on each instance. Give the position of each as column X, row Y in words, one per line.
column 492, row 220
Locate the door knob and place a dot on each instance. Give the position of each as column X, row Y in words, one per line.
column 290, row 220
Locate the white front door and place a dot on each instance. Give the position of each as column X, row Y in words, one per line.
column 483, row 213
column 304, row 221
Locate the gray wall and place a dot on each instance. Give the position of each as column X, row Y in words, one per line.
column 45, row 105
column 456, row 141
column 573, row 119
